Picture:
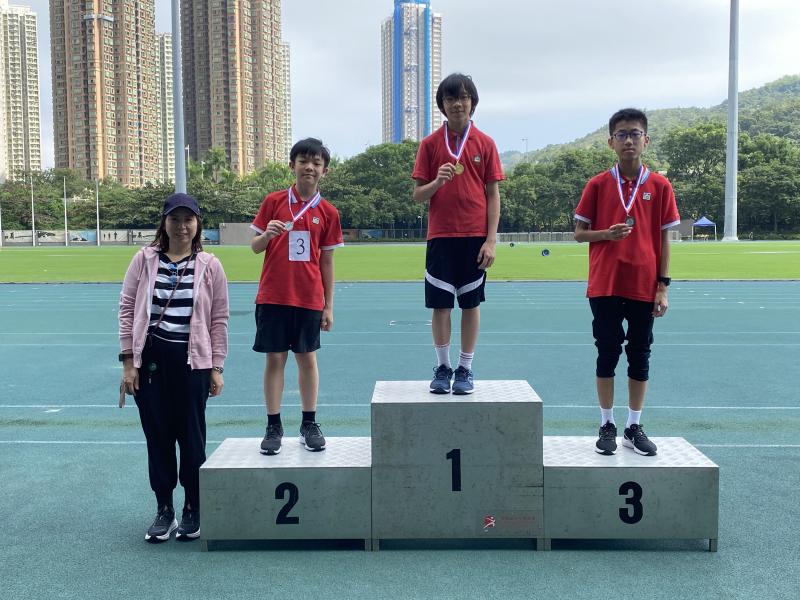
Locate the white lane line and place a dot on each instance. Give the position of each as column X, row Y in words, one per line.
column 143, row 442
column 367, row 405
column 746, row 445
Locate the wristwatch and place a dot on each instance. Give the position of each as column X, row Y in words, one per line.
column 664, row 280
column 219, row 370
column 124, row 355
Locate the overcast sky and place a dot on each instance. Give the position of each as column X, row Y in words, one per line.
column 546, row 71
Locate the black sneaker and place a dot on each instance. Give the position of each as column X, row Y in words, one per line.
column 163, row 525
column 189, row 529
column 441, row 380
column 462, row 381
column 271, row 444
column 607, row 442
column 636, row 439
column 311, row 436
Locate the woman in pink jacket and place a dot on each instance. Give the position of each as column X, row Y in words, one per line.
column 173, row 333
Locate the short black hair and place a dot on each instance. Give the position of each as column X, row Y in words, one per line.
column 310, row 147
column 452, row 85
column 626, row 114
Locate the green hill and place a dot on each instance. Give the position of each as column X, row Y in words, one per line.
column 772, row 108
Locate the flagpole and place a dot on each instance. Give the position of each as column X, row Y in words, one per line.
column 33, row 215
column 732, row 155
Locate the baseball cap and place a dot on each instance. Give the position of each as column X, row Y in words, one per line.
column 181, row 200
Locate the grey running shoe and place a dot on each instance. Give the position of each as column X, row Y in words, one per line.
column 311, row 436
column 189, row 529
column 607, row 442
column 163, row 525
column 462, row 382
column 441, row 380
column 271, row 444
column 636, row 439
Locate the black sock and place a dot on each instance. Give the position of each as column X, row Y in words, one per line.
column 309, row 415
column 274, row 419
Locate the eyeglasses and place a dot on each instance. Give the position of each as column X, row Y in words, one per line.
column 463, row 98
column 635, row 135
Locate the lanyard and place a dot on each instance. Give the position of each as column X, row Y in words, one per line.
column 460, row 146
column 644, row 173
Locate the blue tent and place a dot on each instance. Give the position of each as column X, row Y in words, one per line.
column 704, row 222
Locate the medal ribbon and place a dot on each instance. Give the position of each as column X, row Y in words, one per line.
column 460, row 147
column 644, row 173
column 309, row 205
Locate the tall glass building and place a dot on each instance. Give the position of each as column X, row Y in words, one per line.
column 411, row 42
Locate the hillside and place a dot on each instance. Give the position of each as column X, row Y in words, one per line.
column 772, row 108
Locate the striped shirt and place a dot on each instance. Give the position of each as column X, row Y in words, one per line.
column 174, row 326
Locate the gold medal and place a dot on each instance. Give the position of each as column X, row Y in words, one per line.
column 459, row 168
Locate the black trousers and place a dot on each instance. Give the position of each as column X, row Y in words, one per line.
column 172, row 407
column 609, row 312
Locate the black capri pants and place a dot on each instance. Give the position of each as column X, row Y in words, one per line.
column 609, row 312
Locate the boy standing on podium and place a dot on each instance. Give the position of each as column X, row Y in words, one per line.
column 458, row 172
column 299, row 231
column 625, row 214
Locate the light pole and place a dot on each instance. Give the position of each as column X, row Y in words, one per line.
column 33, row 215
column 177, row 99
column 97, row 208
column 66, row 231
column 732, row 155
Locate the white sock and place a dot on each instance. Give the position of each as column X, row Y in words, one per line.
column 607, row 416
column 465, row 360
column 443, row 355
column 633, row 417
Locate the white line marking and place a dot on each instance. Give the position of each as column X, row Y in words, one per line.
column 367, row 405
column 747, row 445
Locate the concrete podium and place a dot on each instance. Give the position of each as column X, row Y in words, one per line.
column 296, row 494
column 673, row 495
column 446, row 466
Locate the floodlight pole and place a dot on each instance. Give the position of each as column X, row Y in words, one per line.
column 66, row 232
column 177, row 99
column 97, row 208
column 732, row 158
column 33, row 215
column 1, row 224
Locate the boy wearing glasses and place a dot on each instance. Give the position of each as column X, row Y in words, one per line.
column 298, row 231
column 457, row 172
column 625, row 214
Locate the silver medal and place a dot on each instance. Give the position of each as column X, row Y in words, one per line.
column 289, row 225
column 629, row 221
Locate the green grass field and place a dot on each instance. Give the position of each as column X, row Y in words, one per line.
column 356, row 262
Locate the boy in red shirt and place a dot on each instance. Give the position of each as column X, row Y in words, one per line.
column 299, row 231
column 625, row 214
column 458, row 171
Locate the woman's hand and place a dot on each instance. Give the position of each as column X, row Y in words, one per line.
column 217, row 383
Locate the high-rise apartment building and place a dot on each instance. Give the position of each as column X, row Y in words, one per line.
column 235, row 81
column 20, row 129
column 105, row 97
column 286, row 89
column 166, row 113
column 411, row 60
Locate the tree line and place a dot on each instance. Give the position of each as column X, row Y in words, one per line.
column 374, row 189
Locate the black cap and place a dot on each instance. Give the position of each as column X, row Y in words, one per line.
column 181, row 200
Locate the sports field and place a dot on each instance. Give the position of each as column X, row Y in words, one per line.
column 405, row 262
column 75, row 500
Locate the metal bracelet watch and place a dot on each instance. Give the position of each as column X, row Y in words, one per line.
column 219, row 370
column 664, row 280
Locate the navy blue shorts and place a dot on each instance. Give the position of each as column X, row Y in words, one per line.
column 281, row 328
column 451, row 271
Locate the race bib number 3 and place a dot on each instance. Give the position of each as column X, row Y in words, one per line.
column 299, row 246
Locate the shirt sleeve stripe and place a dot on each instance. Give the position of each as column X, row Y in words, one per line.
column 670, row 225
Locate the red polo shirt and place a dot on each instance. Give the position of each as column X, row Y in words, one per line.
column 295, row 283
column 458, row 208
column 629, row 267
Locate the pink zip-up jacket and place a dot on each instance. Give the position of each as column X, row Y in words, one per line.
column 208, row 330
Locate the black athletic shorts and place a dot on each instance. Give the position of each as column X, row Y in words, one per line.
column 451, row 271
column 281, row 328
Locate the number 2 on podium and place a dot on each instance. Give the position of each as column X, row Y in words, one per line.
column 455, row 468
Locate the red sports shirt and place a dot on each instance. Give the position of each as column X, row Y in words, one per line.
column 458, row 208
column 629, row 267
column 295, row 283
